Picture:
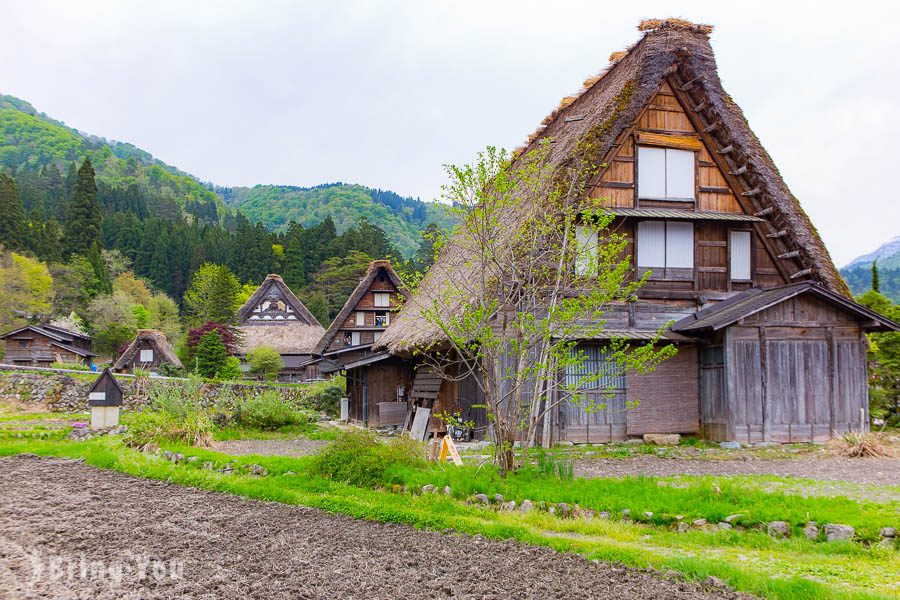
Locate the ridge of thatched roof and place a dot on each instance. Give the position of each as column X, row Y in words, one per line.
column 273, row 280
column 371, row 272
column 160, row 344
column 605, row 108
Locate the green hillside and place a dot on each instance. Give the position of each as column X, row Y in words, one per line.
column 31, row 142
column 401, row 218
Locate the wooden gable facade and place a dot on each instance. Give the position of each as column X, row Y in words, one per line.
column 149, row 350
column 712, row 224
column 42, row 345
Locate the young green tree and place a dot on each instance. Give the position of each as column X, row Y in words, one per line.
column 210, row 356
column 83, row 218
column 26, row 290
column 12, row 215
column 212, row 295
column 529, row 273
column 264, row 362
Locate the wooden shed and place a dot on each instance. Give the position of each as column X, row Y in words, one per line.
column 42, row 345
column 149, row 350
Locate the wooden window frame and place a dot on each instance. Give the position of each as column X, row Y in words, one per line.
column 752, row 255
column 637, row 176
column 377, row 295
column 666, row 273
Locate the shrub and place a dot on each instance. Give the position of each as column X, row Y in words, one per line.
column 269, row 410
column 210, row 355
column 70, row 366
column 173, row 415
column 265, row 362
column 170, row 370
column 359, row 458
column 231, row 370
column 324, row 397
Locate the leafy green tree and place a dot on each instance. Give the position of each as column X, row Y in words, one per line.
column 26, row 290
column 317, row 304
column 110, row 338
column 264, row 362
column 213, row 295
column 231, row 370
column 82, row 228
column 12, row 215
column 163, row 316
column 884, row 361
column 210, row 355
column 74, row 285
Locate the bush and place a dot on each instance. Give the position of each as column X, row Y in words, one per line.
column 70, row 366
column 231, row 370
column 265, row 362
column 173, row 415
column 359, row 458
column 170, row 370
column 269, row 411
column 324, row 397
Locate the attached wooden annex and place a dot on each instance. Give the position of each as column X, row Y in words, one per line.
column 149, row 350
column 273, row 316
column 770, row 345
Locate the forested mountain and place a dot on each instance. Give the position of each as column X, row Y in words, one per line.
column 402, row 219
column 858, row 273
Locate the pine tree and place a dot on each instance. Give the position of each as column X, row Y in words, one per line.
column 12, row 215
column 211, row 355
column 95, row 256
column 876, row 284
column 82, row 226
column 212, row 295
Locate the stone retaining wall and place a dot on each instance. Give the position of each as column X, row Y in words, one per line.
column 66, row 391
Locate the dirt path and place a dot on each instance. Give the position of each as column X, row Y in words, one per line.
column 230, row 547
column 873, row 471
column 293, row 447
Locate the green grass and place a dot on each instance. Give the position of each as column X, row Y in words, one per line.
column 312, row 431
column 750, row 561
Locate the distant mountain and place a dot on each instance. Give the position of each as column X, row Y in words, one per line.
column 858, row 272
column 400, row 217
column 31, row 141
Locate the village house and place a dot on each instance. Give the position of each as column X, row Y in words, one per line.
column 42, row 345
column 347, row 345
column 770, row 344
column 149, row 350
column 273, row 316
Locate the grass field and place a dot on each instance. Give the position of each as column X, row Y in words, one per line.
column 749, row 560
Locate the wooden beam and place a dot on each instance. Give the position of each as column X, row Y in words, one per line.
column 714, row 189
column 740, row 170
column 754, row 192
column 791, row 254
column 700, row 107
column 726, row 150
column 777, row 234
column 766, row 211
column 802, row 273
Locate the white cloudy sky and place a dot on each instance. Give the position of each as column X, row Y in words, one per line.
column 384, row 93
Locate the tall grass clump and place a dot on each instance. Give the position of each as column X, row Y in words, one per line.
column 325, row 396
column 360, row 459
column 270, row 411
column 174, row 414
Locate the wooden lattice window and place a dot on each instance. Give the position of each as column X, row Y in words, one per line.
column 598, row 370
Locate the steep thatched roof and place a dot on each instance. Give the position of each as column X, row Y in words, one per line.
column 296, row 335
column 603, row 111
column 375, row 267
column 156, row 339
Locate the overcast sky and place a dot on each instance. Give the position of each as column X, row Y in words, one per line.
column 384, row 93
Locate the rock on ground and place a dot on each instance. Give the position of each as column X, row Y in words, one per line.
column 232, row 547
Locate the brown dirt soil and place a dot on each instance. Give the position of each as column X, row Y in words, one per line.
column 233, row 547
column 292, row 447
column 875, row 471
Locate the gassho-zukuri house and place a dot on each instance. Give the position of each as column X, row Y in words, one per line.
column 770, row 344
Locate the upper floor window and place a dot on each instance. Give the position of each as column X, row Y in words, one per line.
column 739, row 255
column 360, row 319
column 382, row 299
column 665, row 173
column 586, row 251
column 666, row 248
column 382, row 318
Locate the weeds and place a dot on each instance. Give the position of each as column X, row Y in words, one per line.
column 860, row 445
column 269, row 411
column 358, row 458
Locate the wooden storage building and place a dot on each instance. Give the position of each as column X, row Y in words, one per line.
column 149, row 350
column 770, row 344
column 42, row 345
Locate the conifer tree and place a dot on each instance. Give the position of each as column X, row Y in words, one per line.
column 876, row 284
column 83, row 218
column 211, row 354
column 212, row 295
column 95, row 256
column 12, row 215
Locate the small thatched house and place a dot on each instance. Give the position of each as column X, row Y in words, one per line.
column 770, row 345
column 149, row 350
column 273, row 316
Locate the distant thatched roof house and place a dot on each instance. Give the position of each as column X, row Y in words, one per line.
column 148, row 350
column 710, row 221
column 273, row 316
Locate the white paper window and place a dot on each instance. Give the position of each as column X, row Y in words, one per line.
column 679, row 245
column 146, row 356
column 586, row 250
column 360, row 319
column 354, row 338
column 665, row 173
column 740, row 242
column 651, row 244
column 382, row 299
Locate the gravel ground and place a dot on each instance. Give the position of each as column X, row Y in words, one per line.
column 54, row 512
column 874, row 471
column 292, row 447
